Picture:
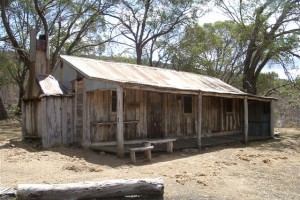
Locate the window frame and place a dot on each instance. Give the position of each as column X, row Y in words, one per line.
column 189, row 105
column 116, row 99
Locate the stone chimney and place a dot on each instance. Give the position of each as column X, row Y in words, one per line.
column 39, row 63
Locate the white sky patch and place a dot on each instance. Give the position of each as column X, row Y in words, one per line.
column 213, row 16
column 279, row 70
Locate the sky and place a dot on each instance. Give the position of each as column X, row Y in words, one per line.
column 216, row 15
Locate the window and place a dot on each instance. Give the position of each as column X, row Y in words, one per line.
column 228, row 104
column 114, row 101
column 187, row 104
column 266, row 108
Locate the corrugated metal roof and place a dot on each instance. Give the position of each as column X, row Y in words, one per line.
column 49, row 85
column 149, row 76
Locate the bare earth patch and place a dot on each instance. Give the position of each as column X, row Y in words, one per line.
column 259, row 170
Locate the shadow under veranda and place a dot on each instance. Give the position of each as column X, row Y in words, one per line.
column 10, row 137
column 111, row 160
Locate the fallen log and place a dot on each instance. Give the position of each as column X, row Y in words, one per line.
column 92, row 190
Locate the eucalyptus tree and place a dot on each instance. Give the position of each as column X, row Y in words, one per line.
column 212, row 49
column 142, row 24
column 271, row 30
column 73, row 27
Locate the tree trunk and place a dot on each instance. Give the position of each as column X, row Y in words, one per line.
column 250, row 83
column 93, row 190
column 3, row 113
column 139, row 53
column 21, row 94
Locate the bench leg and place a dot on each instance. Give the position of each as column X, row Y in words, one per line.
column 170, row 147
column 132, row 156
column 148, row 154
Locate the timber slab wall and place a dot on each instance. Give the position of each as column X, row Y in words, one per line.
column 50, row 118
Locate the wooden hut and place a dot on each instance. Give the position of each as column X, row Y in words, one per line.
column 117, row 103
column 47, row 108
column 92, row 102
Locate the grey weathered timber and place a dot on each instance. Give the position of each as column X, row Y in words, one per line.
column 199, row 127
column 91, row 190
column 272, row 120
column 146, row 149
column 32, row 49
column 169, row 143
column 246, row 125
column 120, row 124
column 86, row 141
column 49, row 118
column 23, row 119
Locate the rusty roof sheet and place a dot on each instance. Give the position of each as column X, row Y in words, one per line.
column 149, row 76
column 49, row 85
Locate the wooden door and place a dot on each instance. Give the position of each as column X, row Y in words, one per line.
column 154, row 115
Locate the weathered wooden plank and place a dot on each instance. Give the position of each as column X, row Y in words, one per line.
column 88, row 121
column 75, row 112
column 137, row 114
column 86, row 137
column 164, row 114
column 70, row 120
column 120, row 125
column 28, row 117
column 24, row 132
column 64, row 119
column 147, row 149
column 222, row 116
column 199, row 120
column 245, row 120
column 79, row 114
column 43, row 120
column 32, row 49
column 144, row 113
column 272, row 118
column 92, row 190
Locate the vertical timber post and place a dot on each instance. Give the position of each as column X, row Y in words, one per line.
column 272, row 119
column 246, row 125
column 120, row 124
column 199, row 128
column 23, row 119
column 85, row 131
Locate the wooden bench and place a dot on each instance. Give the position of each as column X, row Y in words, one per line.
column 169, row 143
column 146, row 149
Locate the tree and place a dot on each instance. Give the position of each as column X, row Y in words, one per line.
column 143, row 23
column 5, row 64
column 3, row 113
column 12, row 71
column 212, row 49
column 271, row 30
column 74, row 27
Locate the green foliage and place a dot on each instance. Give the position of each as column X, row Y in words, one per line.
column 211, row 49
column 271, row 31
column 143, row 25
column 14, row 110
column 288, row 93
column 7, row 66
column 267, row 81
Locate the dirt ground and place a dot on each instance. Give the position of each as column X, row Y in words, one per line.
column 259, row 170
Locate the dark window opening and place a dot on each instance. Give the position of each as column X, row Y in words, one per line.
column 187, row 104
column 114, row 101
column 229, row 106
column 266, row 108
